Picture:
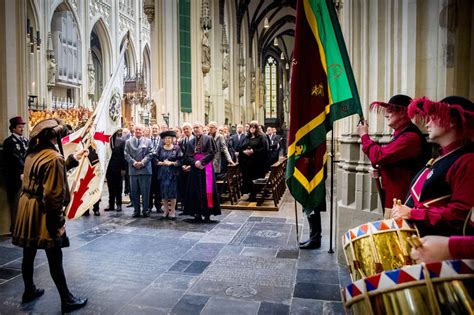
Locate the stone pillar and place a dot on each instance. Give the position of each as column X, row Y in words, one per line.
column 216, row 96
column 13, row 92
column 156, row 57
column 197, row 82
column 171, row 61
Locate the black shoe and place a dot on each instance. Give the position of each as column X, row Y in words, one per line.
column 30, row 296
column 86, row 213
column 312, row 244
column 136, row 215
column 96, row 212
column 119, row 208
column 130, row 205
column 197, row 219
column 109, row 209
column 304, row 242
column 72, row 304
column 146, row 214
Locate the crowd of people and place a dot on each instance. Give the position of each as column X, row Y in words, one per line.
column 75, row 117
column 158, row 165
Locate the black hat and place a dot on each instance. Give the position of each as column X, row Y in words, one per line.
column 168, row 133
column 396, row 102
column 15, row 121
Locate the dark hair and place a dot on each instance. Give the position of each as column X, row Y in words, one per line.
column 257, row 131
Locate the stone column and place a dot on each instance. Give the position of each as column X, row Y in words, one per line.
column 154, row 10
column 197, row 84
column 171, row 61
column 216, row 96
column 13, row 98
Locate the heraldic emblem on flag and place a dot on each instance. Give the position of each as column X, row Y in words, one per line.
column 87, row 180
column 322, row 90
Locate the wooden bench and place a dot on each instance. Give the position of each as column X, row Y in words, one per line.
column 229, row 187
column 272, row 187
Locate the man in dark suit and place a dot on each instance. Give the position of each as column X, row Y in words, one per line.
column 115, row 171
column 14, row 149
column 274, row 142
column 236, row 141
column 155, row 195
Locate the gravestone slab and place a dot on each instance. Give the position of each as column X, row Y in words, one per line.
column 250, row 270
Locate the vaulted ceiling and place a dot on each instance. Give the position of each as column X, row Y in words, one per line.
column 281, row 15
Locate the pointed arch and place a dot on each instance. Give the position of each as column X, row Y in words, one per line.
column 130, row 56
column 101, row 53
column 64, row 5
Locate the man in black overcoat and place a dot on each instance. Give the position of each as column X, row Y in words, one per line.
column 14, row 149
column 201, row 199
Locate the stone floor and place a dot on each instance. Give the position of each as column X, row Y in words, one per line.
column 246, row 263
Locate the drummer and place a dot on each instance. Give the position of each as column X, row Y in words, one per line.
column 398, row 161
column 441, row 195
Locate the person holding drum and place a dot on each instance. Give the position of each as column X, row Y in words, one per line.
column 441, row 195
column 398, row 161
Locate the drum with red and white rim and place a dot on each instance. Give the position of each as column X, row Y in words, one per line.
column 378, row 246
column 445, row 287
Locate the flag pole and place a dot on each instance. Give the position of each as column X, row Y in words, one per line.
column 331, row 251
column 296, row 225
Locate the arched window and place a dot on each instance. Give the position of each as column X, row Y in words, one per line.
column 271, row 88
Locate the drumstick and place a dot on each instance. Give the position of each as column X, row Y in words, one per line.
column 414, row 241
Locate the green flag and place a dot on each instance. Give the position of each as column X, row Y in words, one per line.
column 322, row 90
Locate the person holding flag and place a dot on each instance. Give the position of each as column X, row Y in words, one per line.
column 40, row 223
column 87, row 180
column 322, row 90
column 398, row 161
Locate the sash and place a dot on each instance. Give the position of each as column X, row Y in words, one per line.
column 209, row 176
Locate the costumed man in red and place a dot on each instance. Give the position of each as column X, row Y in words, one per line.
column 398, row 161
column 441, row 195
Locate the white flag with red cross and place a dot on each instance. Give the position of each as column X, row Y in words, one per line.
column 87, row 180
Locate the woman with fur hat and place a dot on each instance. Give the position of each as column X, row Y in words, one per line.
column 40, row 222
column 441, row 195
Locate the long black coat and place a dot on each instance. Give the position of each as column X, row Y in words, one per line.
column 195, row 201
column 253, row 166
column 117, row 161
column 14, row 151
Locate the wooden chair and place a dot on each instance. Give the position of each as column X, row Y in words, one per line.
column 273, row 186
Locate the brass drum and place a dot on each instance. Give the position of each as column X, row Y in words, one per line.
column 445, row 287
column 378, row 246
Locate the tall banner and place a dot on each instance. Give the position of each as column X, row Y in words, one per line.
column 322, row 90
column 87, row 180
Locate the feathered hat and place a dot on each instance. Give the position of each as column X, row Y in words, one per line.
column 397, row 102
